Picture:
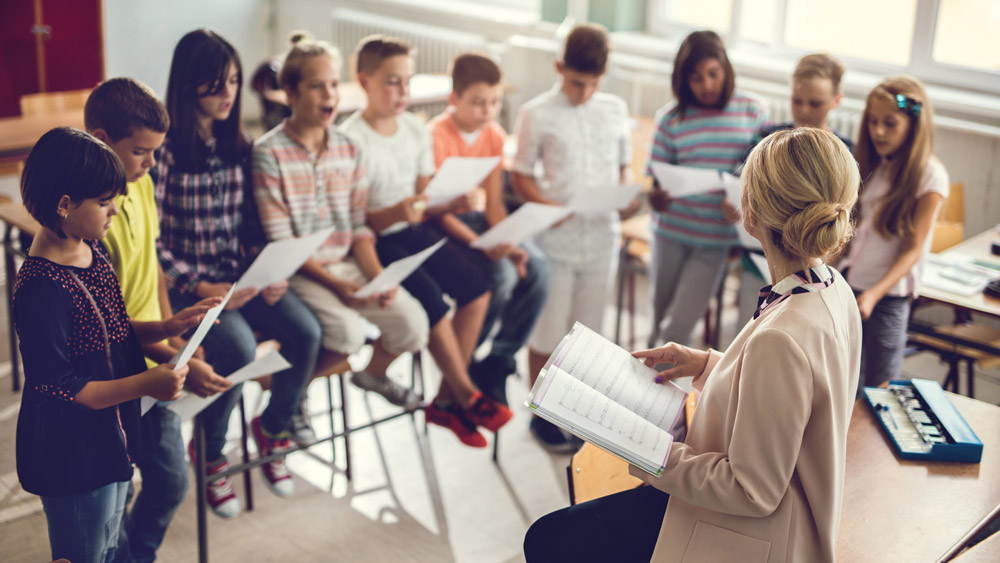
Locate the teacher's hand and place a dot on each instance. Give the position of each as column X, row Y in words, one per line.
column 687, row 362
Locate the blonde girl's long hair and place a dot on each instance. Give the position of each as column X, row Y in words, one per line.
column 894, row 217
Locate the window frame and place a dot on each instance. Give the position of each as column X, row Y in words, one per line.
column 922, row 63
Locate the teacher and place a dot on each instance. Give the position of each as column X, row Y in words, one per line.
column 760, row 476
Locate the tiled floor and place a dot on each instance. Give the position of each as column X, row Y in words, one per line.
column 415, row 496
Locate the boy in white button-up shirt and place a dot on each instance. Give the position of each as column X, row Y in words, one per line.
column 581, row 137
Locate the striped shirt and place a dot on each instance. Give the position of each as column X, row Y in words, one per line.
column 209, row 225
column 299, row 192
column 705, row 138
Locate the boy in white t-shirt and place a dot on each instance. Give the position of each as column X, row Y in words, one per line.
column 582, row 138
column 399, row 162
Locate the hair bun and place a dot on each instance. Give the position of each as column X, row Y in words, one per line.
column 817, row 230
column 298, row 36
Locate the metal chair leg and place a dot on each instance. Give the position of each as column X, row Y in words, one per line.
column 347, row 430
column 247, row 486
column 199, row 479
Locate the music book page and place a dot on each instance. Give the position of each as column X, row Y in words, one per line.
column 458, row 175
column 599, row 392
column 529, row 220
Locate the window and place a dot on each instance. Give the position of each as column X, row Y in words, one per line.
column 966, row 33
column 949, row 42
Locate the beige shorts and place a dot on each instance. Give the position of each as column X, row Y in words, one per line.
column 403, row 323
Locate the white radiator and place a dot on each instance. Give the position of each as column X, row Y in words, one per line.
column 435, row 46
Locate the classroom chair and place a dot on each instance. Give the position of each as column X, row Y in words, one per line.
column 594, row 473
column 328, row 366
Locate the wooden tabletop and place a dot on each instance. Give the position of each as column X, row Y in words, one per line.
column 896, row 510
column 18, row 134
column 979, row 248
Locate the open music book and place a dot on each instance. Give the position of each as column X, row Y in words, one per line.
column 597, row 391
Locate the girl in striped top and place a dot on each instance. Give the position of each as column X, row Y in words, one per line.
column 709, row 125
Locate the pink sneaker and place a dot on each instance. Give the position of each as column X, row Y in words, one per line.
column 279, row 478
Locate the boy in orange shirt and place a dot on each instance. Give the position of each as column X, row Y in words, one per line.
column 519, row 273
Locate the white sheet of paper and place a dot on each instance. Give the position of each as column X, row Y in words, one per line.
column 679, row 181
column 189, row 404
column 181, row 359
column 529, row 220
column 281, row 259
column 458, row 175
column 598, row 201
column 761, row 263
column 394, row 274
column 732, row 185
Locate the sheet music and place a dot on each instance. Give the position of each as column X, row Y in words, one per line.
column 191, row 346
column 601, row 420
column 613, row 372
column 189, row 404
column 600, row 200
column 394, row 274
column 529, row 220
column 458, row 175
column 281, row 259
column 681, row 181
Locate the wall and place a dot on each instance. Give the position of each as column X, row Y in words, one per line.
column 140, row 35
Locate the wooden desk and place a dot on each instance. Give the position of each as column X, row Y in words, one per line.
column 896, row 510
column 14, row 216
column 979, row 248
column 18, row 134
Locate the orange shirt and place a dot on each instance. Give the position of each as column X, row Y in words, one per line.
column 448, row 140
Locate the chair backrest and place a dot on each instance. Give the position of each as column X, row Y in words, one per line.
column 45, row 103
column 953, row 209
column 950, row 225
column 594, row 473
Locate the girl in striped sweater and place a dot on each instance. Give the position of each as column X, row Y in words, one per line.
column 708, row 125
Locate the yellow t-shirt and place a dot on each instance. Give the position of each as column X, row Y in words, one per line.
column 131, row 243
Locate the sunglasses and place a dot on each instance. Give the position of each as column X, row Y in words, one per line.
column 909, row 106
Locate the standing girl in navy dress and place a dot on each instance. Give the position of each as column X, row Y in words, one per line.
column 78, row 427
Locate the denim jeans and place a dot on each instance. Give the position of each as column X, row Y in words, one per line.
column 231, row 345
column 84, row 527
column 515, row 302
column 883, row 340
column 164, row 485
column 621, row 527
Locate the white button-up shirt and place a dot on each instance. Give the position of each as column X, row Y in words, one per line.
column 578, row 147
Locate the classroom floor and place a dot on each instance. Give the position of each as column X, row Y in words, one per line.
column 414, row 497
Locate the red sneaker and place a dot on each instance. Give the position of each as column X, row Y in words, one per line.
column 219, row 493
column 279, row 478
column 453, row 418
column 485, row 412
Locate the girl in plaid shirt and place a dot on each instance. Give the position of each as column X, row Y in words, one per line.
column 209, row 233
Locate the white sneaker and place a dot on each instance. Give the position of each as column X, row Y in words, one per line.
column 392, row 391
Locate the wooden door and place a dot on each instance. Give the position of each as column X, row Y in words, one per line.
column 48, row 46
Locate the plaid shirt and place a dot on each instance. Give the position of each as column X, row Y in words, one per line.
column 209, row 226
column 299, row 192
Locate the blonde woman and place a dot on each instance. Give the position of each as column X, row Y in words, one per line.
column 760, row 476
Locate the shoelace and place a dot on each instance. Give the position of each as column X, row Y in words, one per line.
column 221, row 488
column 483, row 407
column 456, row 411
column 278, row 468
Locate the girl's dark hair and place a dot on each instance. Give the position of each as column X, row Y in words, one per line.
column 697, row 47
column 67, row 161
column 202, row 58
